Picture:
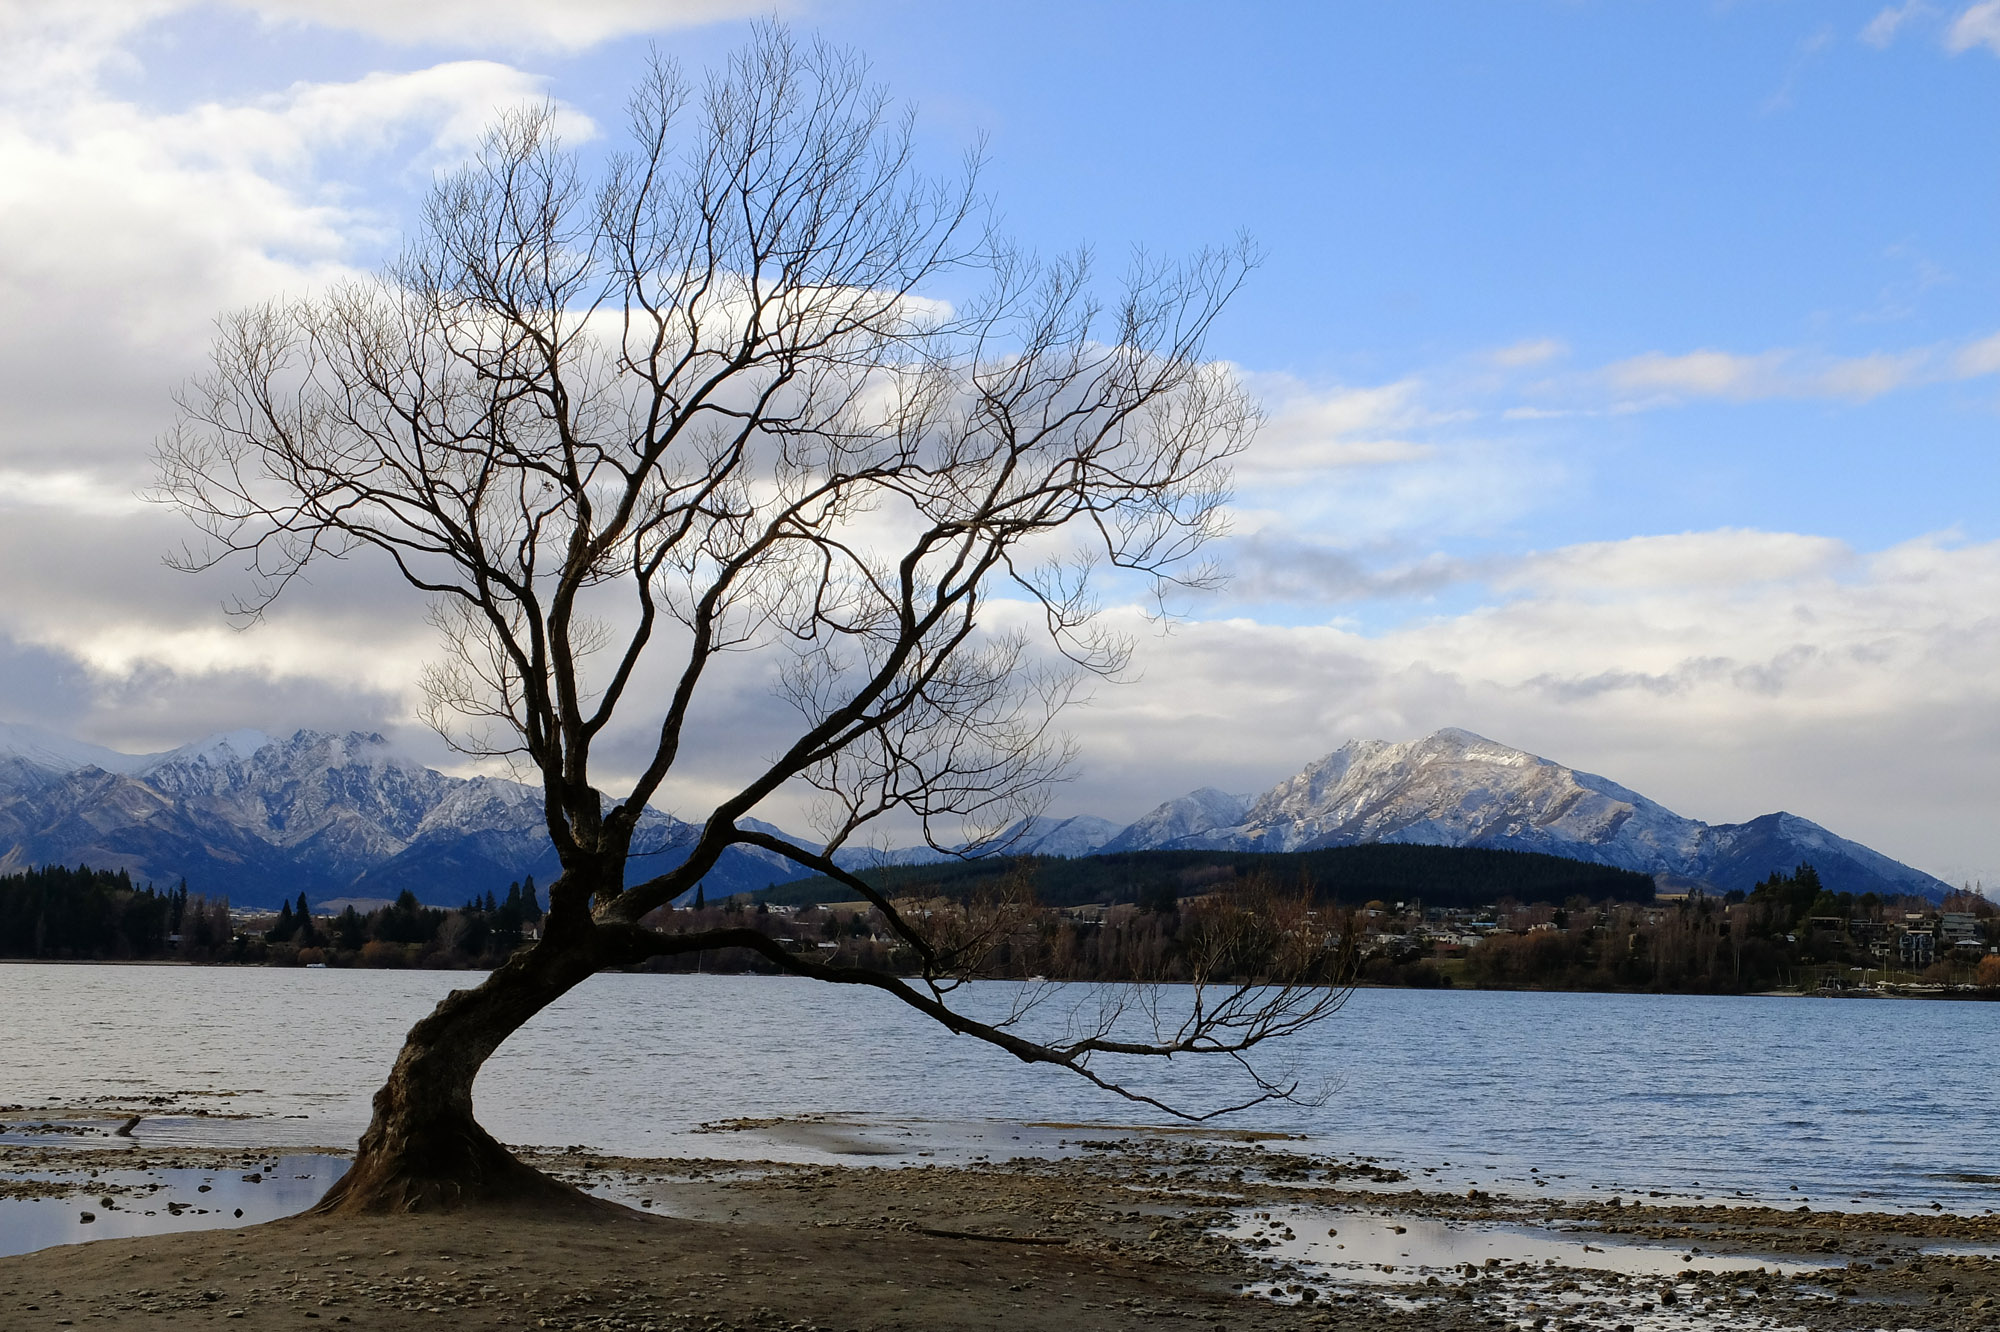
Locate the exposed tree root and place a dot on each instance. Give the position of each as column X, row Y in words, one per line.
column 477, row 1173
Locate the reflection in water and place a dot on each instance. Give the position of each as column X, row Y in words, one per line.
column 151, row 1202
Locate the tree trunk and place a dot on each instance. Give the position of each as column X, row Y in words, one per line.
column 423, row 1150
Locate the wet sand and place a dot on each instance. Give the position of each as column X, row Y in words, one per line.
column 1135, row 1231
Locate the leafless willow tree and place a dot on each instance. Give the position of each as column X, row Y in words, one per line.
column 708, row 399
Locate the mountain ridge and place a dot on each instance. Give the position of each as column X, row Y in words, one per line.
column 1457, row 788
column 261, row 819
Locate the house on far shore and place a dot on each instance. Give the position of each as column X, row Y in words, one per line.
column 1919, row 949
column 1956, row 927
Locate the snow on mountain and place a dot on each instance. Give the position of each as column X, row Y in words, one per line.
column 351, row 797
column 1455, row 788
column 221, row 748
column 1082, row 835
column 1743, row 855
column 262, row 819
column 60, row 754
column 1068, row 838
column 1177, row 821
column 877, row 857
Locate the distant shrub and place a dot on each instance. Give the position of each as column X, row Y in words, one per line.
column 382, row 953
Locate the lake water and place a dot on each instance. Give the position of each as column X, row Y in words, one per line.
column 1880, row 1104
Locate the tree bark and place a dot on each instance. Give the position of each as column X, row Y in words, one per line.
column 423, row 1150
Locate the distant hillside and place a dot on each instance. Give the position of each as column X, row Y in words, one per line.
column 1440, row 876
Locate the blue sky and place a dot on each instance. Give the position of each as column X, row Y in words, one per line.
column 1633, row 369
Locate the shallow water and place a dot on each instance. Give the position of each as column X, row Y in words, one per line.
column 1881, row 1105
column 152, row 1202
column 1389, row 1248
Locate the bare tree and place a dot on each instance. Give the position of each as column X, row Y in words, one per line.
column 711, row 400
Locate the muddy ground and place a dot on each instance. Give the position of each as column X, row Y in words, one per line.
column 1144, row 1230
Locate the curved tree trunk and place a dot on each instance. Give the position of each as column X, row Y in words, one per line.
column 423, row 1150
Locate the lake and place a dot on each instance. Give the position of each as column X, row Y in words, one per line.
column 1877, row 1104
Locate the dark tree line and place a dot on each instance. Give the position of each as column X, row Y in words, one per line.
column 62, row 914
column 55, row 912
column 1439, row 876
column 482, row 933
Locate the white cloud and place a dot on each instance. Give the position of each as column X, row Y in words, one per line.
column 1881, row 30
column 1731, row 557
column 1977, row 359
column 1709, row 374
column 1536, row 351
column 1809, row 50
column 125, row 230
column 449, row 106
column 1368, row 465
column 1656, row 379
column 1774, row 374
column 1544, row 413
column 1976, row 25
column 1312, row 430
column 71, row 492
column 572, row 25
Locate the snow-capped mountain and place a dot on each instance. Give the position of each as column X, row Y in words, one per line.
column 261, row 820
column 1182, row 821
column 1083, row 835
column 1455, row 788
column 59, row 753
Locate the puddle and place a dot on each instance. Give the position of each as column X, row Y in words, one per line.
column 295, row 1132
column 175, row 1130
column 66, row 1132
column 1363, row 1248
column 1960, row 1251
column 125, row 1203
column 1524, row 1276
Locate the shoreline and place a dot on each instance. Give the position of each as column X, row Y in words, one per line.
column 1137, row 1228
